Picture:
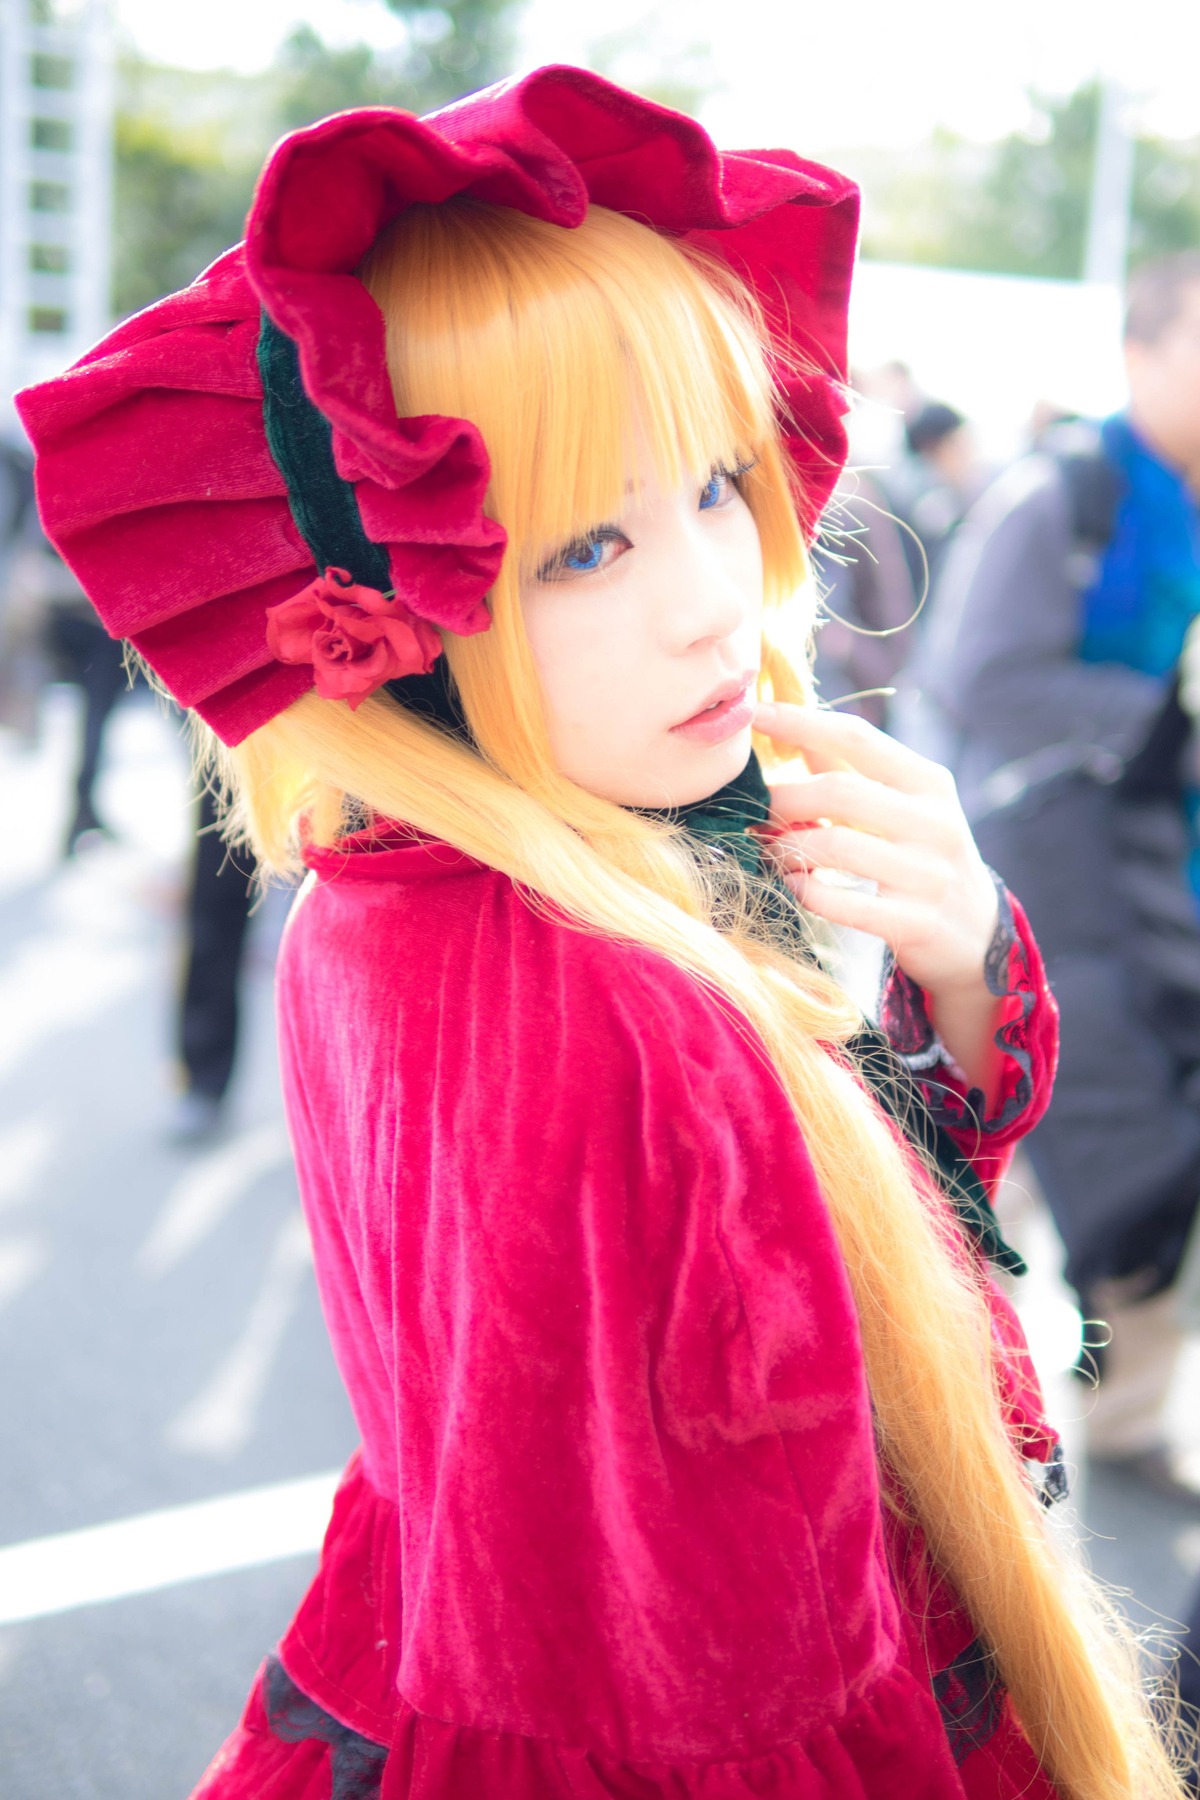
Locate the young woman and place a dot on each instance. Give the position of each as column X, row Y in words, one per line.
column 467, row 503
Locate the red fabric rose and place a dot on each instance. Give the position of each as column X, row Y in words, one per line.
column 355, row 637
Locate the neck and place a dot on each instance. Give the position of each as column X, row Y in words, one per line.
column 727, row 817
column 1183, row 459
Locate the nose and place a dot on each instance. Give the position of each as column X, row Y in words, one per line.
column 707, row 591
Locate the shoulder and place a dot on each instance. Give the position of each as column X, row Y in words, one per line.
column 460, row 1039
column 1031, row 491
column 1015, row 539
column 423, row 944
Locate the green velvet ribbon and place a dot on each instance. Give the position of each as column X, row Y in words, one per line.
column 300, row 439
column 724, row 823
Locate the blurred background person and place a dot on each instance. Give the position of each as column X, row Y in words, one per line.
column 85, row 655
column 57, row 637
column 870, row 604
column 216, row 912
column 23, row 665
column 886, row 395
column 1055, row 643
column 932, row 485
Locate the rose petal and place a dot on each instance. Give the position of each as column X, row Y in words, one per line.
column 355, row 637
column 290, row 626
column 415, row 644
column 339, row 675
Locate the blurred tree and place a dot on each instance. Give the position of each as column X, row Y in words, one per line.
column 188, row 147
column 658, row 60
column 1029, row 214
column 316, row 81
column 457, row 45
column 178, row 204
column 1166, row 198
column 448, row 50
column 1020, row 206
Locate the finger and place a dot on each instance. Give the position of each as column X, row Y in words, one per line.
column 847, row 798
column 832, row 740
column 861, row 911
column 900, row 868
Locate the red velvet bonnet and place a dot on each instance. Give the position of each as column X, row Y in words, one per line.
column 155, row 476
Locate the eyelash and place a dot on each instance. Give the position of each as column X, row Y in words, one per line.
column 609, row 534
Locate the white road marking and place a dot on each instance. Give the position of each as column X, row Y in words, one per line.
column 21, row 1261
column 24, row 1152
column 160, row 1549
column 220, row 1420
column 206, row 1192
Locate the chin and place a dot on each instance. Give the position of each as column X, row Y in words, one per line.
column 711, row 766
column 683, row 773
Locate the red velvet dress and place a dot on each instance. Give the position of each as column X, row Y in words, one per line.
column 615, row 1528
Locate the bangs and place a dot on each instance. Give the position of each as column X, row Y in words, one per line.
column 581, row 356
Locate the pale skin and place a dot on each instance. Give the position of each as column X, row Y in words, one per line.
column 1164, row 389
column 881, row 812
column 636, row 624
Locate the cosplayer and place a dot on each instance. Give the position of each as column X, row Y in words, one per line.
column 467, row 504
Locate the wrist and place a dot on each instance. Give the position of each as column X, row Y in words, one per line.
column 960, row 987
column 964, row 978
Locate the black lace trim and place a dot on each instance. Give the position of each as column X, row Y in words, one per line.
column 355, row 1763
column 968, row 1693
column 1053, row 1481
column 970, row 1700
column 910, row 1031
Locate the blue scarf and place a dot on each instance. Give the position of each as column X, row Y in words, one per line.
column 1147, row 591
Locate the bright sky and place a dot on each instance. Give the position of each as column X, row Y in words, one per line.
column 810, row 73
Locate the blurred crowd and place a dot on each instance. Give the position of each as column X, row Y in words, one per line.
column 49, row 633
column 1035, row 628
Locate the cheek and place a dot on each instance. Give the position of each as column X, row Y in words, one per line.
column 591, row 660
column 1190, row 385
column 744, row 564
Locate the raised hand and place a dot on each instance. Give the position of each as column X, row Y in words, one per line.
column 872, row 809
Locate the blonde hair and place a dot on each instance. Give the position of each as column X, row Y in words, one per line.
column 522, row 327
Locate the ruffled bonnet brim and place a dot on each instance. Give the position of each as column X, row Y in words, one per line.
column 154, row 475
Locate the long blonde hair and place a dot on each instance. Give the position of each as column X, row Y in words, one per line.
column 553, row 342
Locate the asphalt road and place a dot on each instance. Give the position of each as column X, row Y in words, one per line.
column 160, row 1339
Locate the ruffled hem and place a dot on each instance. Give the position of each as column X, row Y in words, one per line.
column 892, row 1744
column 874, row 1754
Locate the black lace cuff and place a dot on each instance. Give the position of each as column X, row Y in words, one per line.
column 1052, row 1482
column 909, row 1029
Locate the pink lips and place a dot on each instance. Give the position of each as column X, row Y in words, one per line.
column 728, row 710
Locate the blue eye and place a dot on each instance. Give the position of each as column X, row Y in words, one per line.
column 597, row 549
column 587, row 554
column 721, row 486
